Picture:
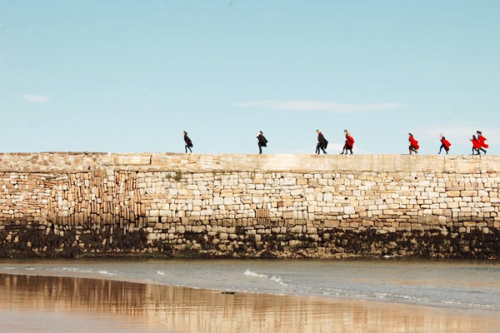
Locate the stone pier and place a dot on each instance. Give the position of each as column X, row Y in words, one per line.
column 248, row 206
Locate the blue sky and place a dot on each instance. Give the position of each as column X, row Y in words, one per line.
column 131, row 75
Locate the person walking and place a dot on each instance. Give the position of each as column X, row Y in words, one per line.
column 476, row 145
column 349, row 143
column 444, row 144
column 261, row 141
column 482, row 142
column 322, row 143
column 414, row 147
column 188, row 143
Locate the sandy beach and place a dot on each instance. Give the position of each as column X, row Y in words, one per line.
column 59, row 304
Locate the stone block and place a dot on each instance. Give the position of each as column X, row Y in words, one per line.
column 348, row 210
column 468, row 193
column 332, row 223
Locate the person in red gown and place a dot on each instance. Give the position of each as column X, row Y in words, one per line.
column 414, row 147
column 482, row 142
column 349, row 143
column 476, row 146
column 444, row 144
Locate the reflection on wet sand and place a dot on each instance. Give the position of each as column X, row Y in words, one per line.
column 191, row 310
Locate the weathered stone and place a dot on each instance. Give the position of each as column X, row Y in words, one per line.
column 193, row 195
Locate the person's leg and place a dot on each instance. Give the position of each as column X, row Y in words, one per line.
column 343, row 150
column 441, row 148
column 186, row 148
column 317, row 148
column 483, row 150
column 260, row 148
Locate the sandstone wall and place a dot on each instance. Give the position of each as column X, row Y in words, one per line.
column 69, row 204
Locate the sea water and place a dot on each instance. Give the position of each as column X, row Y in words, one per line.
column 460, row 284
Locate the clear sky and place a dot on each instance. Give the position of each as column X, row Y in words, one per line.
column 131, row 75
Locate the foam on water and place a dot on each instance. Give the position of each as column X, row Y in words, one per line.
column 278, row 280
column 85, row 271
column 253, row 274
column 273, row 278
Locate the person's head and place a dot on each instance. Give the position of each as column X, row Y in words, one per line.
column 318, row 131
column 260, row 132
column 441, row 135
column 346, row 131
column 473, row 137
column 410, row 134
column 479, row 132
column 185, row 132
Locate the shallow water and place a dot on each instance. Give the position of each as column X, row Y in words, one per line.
column 47, row 304
column 451, row 284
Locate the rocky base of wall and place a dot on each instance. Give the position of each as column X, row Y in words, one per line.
column 41, row 241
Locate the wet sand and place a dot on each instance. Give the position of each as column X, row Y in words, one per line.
column 62, row 304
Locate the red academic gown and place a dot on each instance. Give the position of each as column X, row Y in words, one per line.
column 476, row 144
column 446, row 144
column 481, row 140
column 414, row 143
column 349, row 141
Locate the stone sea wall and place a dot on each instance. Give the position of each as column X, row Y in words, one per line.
column 248, row 206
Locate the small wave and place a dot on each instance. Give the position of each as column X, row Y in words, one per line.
column 273, row 278
column 75, row 270
column 71, row 269
column 253, row 274
column 278, row 280
column 87, row 271
column 160, row 273
column 19, row 268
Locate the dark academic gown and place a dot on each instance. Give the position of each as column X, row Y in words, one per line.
column 262, row 140
column 322, row 141
column 188, row 141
